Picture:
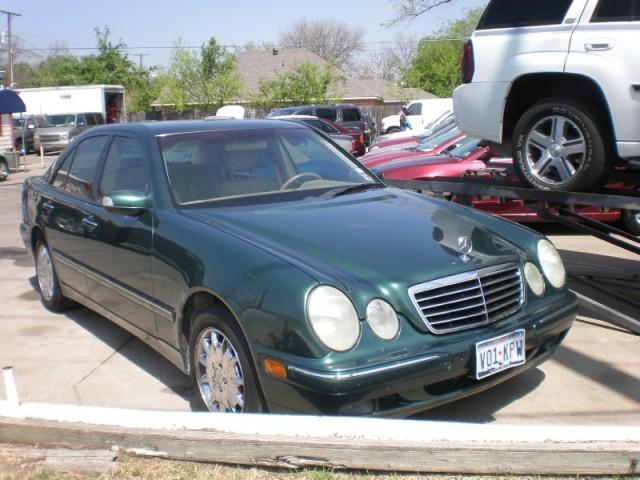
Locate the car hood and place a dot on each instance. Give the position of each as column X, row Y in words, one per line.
column 416, row 161
column 371, row 244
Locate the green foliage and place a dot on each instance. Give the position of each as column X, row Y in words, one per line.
column 302, row 85
column 436, row 65
column 207, row 78
column 109, row 65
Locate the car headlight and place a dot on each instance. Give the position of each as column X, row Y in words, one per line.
column 534, row 279
column 333, row 318
column 382, row 319
column 551, row 263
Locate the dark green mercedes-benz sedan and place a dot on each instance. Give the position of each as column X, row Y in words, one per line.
column 282, row 276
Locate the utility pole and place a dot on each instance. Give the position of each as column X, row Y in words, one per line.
column 10, row 16
column 141, row 55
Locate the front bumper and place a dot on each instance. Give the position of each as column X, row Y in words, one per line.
column 51, row 146
column 418, row 382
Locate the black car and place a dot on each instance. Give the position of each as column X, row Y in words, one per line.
column 347, row 115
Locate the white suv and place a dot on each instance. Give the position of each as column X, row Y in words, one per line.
column 557, row 82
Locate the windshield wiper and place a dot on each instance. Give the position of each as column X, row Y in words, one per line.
column 360, row 187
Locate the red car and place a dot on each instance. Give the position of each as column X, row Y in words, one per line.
column 431, row 146
column 471, row 158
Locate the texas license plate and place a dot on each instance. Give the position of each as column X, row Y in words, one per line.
column 500, row 353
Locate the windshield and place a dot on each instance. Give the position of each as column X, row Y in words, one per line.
column 467, row 146
column 434, row 141
column 227, row 164
column 60, row 120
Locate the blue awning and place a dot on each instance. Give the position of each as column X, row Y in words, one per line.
column 10, row 102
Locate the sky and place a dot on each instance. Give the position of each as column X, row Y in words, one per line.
column 160, row 23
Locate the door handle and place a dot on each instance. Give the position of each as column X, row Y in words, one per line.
column 598, row 46
column 48, row 206
column 89, row 223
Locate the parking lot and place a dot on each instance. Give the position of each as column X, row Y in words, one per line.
column 81, row 358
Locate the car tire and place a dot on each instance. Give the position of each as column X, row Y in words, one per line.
column 4, row 170
column 631, row 221
column 558, row 145
column 48, row 284
column 214, row 388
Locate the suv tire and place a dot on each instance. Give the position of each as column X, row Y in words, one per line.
column 558, row 145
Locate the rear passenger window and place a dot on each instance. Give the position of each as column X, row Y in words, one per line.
column 305, row 111
column 617, row 11
column 125, row 168
column 350, row 115
column 83, row 167
column 91, row 119
column 328, row 113
column 523, row 13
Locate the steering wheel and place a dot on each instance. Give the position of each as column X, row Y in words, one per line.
column 295, row 178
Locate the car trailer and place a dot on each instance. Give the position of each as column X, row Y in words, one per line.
column 558, row 207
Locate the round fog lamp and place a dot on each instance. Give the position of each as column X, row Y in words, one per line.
column 382, row 319
column 551, row 263
column 534, row 279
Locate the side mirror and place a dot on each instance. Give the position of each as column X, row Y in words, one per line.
column 81, row 124
column 125, row 202
column 31, row 126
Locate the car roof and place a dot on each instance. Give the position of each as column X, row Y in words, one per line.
column 188, row 126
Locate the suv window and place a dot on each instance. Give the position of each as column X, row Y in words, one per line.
column 523, row 13
column 91, row 119
column 99, row 119
column 328, row 113
column 305, row 111
column 125, row 168
column 617, row 11
column 351, row 115
column 83, row 166
column 415, row 109
column 80, row 120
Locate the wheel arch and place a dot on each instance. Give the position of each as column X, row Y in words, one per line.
column 198, row 300
column 531, row 88
column 36, row 234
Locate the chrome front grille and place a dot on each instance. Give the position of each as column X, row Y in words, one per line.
column 49, row 138
column 470, row 299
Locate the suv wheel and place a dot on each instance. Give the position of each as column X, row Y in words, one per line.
column 558, row 146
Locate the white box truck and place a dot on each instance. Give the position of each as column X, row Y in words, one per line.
column 107, row 99
column 421, row 114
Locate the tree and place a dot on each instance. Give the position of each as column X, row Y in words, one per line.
column 435, row 67
column 410, row 9
column 302, row 85
column 334, row 41
column 390, row 63
column 207, row 78
column 109, row 65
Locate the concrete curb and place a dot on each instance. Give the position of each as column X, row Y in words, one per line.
column 349, row 443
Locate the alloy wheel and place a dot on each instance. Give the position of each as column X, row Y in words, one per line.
column 44, row 270
column 555, row 150
column 219, row 373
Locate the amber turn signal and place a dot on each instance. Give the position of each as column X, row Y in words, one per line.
column 275, row 368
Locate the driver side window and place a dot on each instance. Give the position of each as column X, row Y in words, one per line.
column 124, row 169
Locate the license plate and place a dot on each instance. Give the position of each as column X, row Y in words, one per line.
column 500, row 353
